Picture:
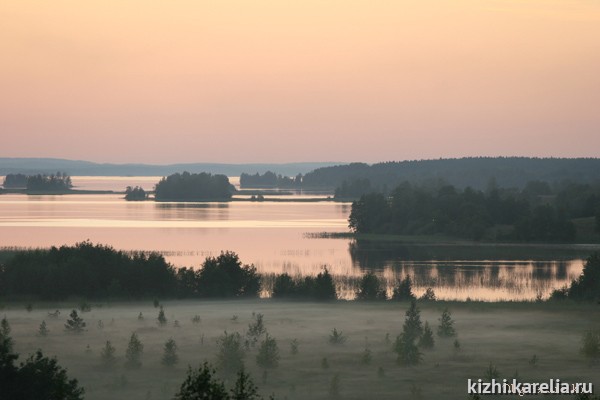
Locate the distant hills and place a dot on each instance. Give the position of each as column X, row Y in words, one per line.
column 87, row 168
column 477, row 172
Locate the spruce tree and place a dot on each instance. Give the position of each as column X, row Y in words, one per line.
column 426, row 341
column 413, row 327
column 75, row 324
column 162, row 320
column 268, row 353
column 446, row 328
column 170, row 356
column 134, row 352
column 43, row 331
column 108, row 354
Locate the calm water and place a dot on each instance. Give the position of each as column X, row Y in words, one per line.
column 272, row 236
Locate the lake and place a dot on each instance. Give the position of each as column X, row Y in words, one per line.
column 276, row 237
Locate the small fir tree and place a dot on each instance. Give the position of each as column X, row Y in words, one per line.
column 75, row 323
column 162, row 320
column 133, row 354
column 43, row 330
column 446, row 328
column 170, row 357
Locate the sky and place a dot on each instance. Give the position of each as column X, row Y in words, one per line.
column 307, row 80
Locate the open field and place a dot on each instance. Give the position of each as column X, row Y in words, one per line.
column 507, row 335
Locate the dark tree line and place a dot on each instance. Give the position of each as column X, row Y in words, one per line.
column 187, row 186
column 475, row 172
column 410, row 209
column 587, row 286
column 270, row 180
column 320, row 287
column 15, row 181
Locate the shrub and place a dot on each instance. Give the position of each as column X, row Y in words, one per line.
column 370, row 288
column 43, row 330
column 170, row 356
column 446, row 328
column 75, row 324
column 134, row 351
column 337, row 337
column 403, row 291
column 268, row 353
column 256, row 329
column 230, row 356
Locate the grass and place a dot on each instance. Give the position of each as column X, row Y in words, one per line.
column 506, row 335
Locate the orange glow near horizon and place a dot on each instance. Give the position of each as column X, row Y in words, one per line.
column 277, row 81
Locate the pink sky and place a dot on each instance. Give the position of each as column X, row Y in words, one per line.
column 306, row 80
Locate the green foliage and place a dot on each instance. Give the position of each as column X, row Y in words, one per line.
column 337, row 337
column 200, row 384
column 107, row 355
column 43, row 330
column 75, row 323
column 403, row 291
column 405, row 346
column 591, row 344
column 230, row 356
column 407, row 350
column 244, row 388
column 162, row 319
column 133, row 354
column 446, row 327
column 320, row 288
column 188, row 186
column 135, row 194
column 224, row 276
column 86, row 270
column 256, row 329
column 370, row 288
column 268, row 353
column 426, row 340
column 170, row 357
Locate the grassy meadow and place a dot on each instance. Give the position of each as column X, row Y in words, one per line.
column 507, row 335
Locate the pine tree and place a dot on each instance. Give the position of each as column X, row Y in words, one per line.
column 134, row 352
column 446, row 327
column 108, row 354
column 162, row 320
column 426, row 341
column 244, row 388
column 75, row 324
column 43, row 331
column 405, row 346
column 170, row 356
column 413, row 328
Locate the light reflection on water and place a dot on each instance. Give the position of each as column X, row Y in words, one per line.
column 269, row 235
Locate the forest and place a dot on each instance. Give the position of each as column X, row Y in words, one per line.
column 58, row 182
column 537, row 213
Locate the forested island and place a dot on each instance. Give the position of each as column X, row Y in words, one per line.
column 194, row 187
column 59, row 182
column 538, row 213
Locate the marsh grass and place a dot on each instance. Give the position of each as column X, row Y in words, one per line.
column 507, row 333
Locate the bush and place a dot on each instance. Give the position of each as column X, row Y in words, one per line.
column 320, row 287
column 337, row 337
column 403, row 291
column 230, row 357
column 370, row 288
column 268, row 353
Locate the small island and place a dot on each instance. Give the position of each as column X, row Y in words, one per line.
column 194, row 187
